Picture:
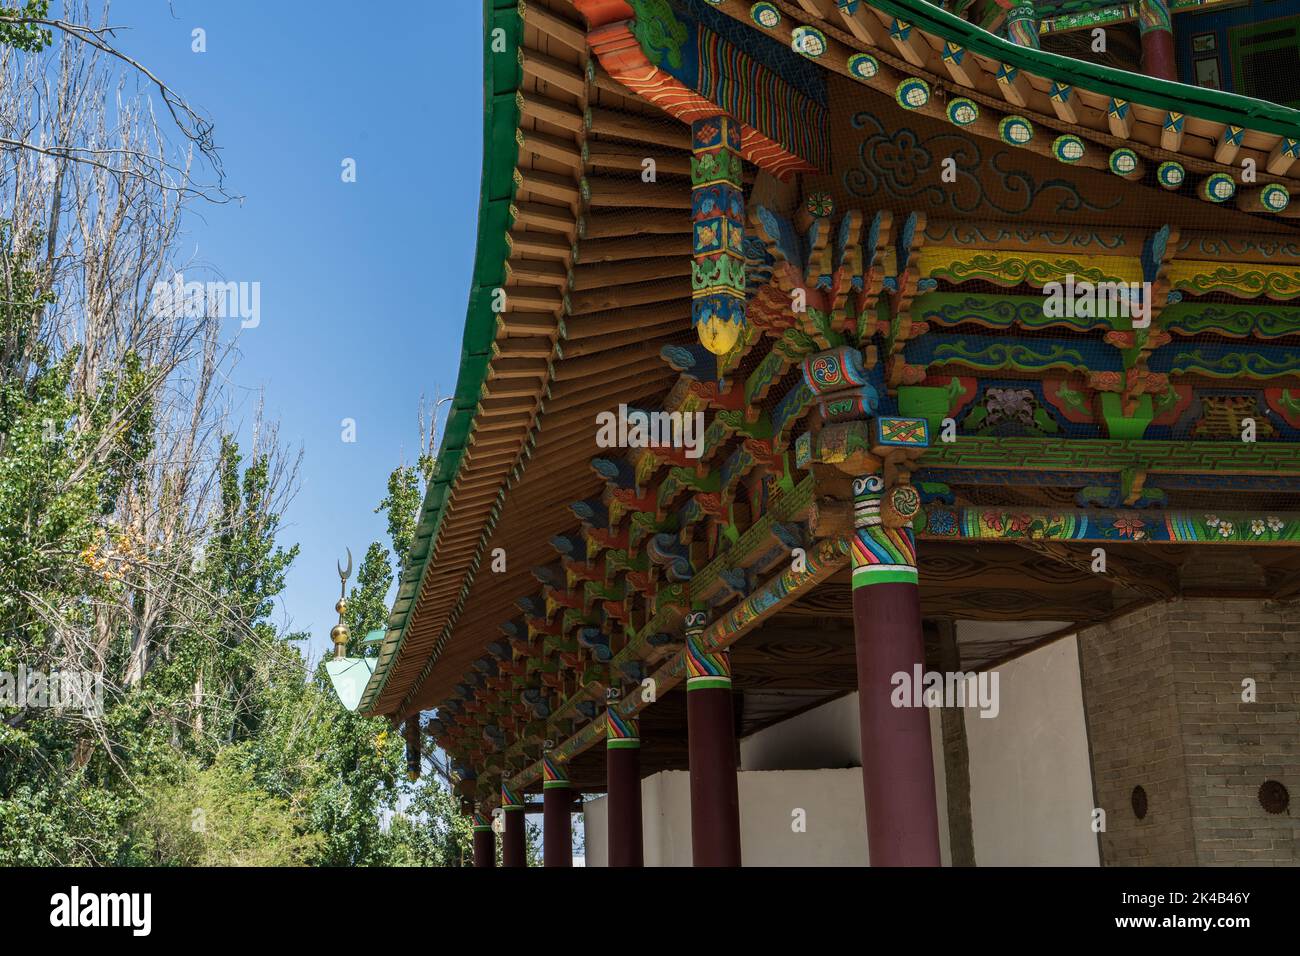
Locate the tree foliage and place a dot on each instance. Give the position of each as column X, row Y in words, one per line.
column 141, row 527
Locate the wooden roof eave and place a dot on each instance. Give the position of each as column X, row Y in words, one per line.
column 1268, row 127
column 484, row 366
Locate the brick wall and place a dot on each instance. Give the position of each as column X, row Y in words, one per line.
column 1162, row 694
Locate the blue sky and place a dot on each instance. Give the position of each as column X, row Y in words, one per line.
column 363, row 285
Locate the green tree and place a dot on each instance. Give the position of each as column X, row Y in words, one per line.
column 28, row 37
column 219, row 816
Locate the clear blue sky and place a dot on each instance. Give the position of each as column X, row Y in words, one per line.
column 364, row 285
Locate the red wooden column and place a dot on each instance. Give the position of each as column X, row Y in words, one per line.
column 485, row 841
column 623, row 780
column 897, row 762
column 1157, row 31
column 557, row 819
column 512, row 835
column 715, row 800
column 897, row 767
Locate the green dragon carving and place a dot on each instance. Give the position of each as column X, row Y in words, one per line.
column 659, row 32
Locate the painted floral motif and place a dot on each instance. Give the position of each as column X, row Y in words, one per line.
column 902, row 163
column 941, row 522
column 1131, row 528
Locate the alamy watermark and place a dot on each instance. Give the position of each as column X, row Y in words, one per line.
column 133, row 911
column 1084, row 299
column 55, row 690
column 633, row 428
column 195, row 300
column 946, row 689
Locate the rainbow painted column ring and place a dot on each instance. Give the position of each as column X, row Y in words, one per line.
column 881, row 554
column 705, row 669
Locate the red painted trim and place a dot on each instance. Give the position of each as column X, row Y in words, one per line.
column 621, row 55
column 600, row 12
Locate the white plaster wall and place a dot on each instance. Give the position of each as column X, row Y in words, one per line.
column 831, row 800
column 829, row 737
column 825, row 737
column 595, row 828
column 666, row 811
column 1031, row 785
column 1031, row 781
column 835, row 825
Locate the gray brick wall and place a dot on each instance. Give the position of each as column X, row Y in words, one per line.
column 1162, row 694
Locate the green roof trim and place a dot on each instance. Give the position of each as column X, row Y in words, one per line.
column 1215, row 105
column 502, row 75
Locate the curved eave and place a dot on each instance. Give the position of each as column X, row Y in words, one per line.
column 501, row 81
column 1214, row 105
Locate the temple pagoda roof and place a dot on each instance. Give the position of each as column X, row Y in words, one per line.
column 596, row 276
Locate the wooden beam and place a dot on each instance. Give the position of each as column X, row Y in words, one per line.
column 571, row 34
column 1065, row 102
column 1229, row 144
column 1135, row 578
column 546, row 110
column 534, row 298
column 1119, row 114
column 558, row 148
column 632, row 158
column 537, row 346
column 1216, row 188
column 527, row 323
column 544, row 244
column 908, row 41
column 635, row 194
column 629, row 271
column 547, row 69
column 1013, row 85
column 865, row 25
column 819, row 8
column 547, row 185
column 635, row 247
column 959, row 65
column 1272, row 198
column 603, row 225
column 1171, row 131
column 1283, row 155
column 537, row 272
column 535, row 215
column 608, row 122
column 642, row 293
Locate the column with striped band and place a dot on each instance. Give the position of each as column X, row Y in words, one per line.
column 879, row 452
column 557, row 809
column 623, row 784
column 711, row 732
column 1022, row 25
column 881, row 554
column 485, row 841
column 897, row 766
column 1156, row 28
column 512, row 834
